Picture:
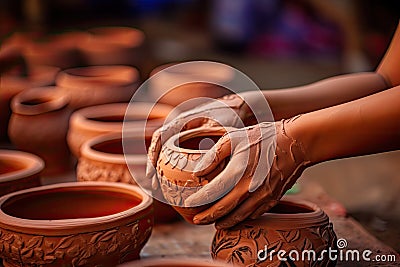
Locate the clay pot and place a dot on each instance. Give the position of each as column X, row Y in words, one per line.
column 106, row 158
column 93, row 121
column 164, row 80
column 74, row 224
column 178, row 158
column 179, row 262
column 291, row 225
column 14, row 82
column 89, row 86
column 18, row 170
column 113, row 46
column 39, row 125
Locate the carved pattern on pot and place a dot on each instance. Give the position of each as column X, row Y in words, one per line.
column 34, row 250
column 89, row 170
column 175, row 194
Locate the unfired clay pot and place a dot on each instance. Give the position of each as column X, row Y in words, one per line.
column 39, row 125
column 74, row 224
column 291, row 225
column 162, row 87
column 113, row 46
column 93, row 121
column 103, row 158
column 178, row 158
column 18, row 170
column 14, row 82
column 176, row 262
column 89, row 86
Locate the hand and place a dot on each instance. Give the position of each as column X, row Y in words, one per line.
column 230, row 110
column 248, row 184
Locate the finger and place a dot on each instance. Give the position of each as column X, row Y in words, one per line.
column 263, row 208
column 263, row 167
column 153, row 153
column 220, row 185
column 214, row 156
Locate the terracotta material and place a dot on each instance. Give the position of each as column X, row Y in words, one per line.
column 39, row 125
column 114, row 46
column 18, row 170
column 84, row 224
column 291, row 225
column 96, row 85
column 93, row 121
column 103, row 158
column 184, row 262
column 163, row 86
column 14, row 82
column 178, row 159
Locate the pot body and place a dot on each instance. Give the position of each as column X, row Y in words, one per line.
column 39, row 125
column 95, row 85
column 114, row 237
column 176, row 164
column 18, row 170
column 293, row 227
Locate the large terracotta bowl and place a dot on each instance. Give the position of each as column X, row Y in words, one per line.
column 74, row 224
column 292, row 225
column 18, row 170
column 178, row 262
column 95, row 85
column 92, row 121
column 178, row 158
column 107, row 157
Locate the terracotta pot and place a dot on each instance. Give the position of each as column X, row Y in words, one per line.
column 164, row 80
column 84, row 224
column 93, row 121
column 18, row 170
column 178, row 158
column 14, row 82
column 184, row 262
column 292, row 225
column 39, row 125
column 104, row 158
column 114, row 46
column 89, row 86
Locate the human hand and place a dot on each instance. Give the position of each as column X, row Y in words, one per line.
column 265, row 162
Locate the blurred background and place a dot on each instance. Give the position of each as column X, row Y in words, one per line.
column 277, row 43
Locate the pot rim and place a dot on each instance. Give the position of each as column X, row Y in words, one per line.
column 171, row 143
column 87, row 150
column 34, row 166
column 47, row 227
column 54, row 97
column 84, row 118
column 296, row 220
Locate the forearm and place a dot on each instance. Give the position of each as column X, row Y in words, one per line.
column 360, row 127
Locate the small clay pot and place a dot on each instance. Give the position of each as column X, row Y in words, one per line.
column 292, row 225
column 39, row 125
column 194, row 80
column 74, row 224
column 106, row 158
column 18, row 170
column 93, row 121
column 95, row 85
column 178, row 262
column 178, row 158
column 113, row 46
column 14, row 82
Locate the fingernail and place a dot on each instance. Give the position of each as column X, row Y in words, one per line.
column 196, row 220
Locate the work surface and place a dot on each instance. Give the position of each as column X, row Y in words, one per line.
column 181, row 239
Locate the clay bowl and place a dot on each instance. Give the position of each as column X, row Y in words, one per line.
column 113, row 46
column 104, row 158
column 175, row 84
column 74, row 224
column 18, row 170
column 97, row 85
column 93, row 121
column 291, row 225
column 178, row 262
column 178, row 158
column 39, row 125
